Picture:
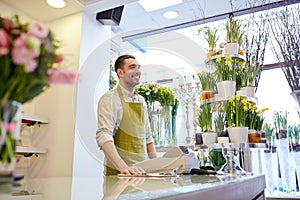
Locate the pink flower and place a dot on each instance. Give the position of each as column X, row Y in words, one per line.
column 62, row 76
column 6, row 24
column 4, row 42
column 59, row 58
column 8, row 126
column 22, row 55
column 38, row 30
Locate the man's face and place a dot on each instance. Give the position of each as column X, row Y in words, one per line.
column 130, row 73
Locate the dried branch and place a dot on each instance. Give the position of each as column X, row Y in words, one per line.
column 286, row 32
column 256, row 39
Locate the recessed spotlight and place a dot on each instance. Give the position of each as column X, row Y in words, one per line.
column 170, row 14
column 56, row 3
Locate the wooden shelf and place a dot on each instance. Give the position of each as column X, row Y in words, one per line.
column 29, row 151
column 31, row 120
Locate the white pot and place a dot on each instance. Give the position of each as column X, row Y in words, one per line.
column 226, row 88
column 209, row 137
column 242, row 93
column 238, row 135
column 249, row 91
column 231, row 48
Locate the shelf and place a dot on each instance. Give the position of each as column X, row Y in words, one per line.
column 237, row 56
column 221, row 99
column 29, row 151
column 21, row 196
column 31, row 120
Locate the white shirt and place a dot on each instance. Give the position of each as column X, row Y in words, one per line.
column 110, row 112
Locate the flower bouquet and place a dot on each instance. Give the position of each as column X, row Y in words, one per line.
column 29, row 65
column 162, row 119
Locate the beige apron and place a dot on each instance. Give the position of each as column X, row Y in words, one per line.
column 130, row 138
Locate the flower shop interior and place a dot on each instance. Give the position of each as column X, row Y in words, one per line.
column 182, row 46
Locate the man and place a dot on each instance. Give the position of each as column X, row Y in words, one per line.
column 123, row 125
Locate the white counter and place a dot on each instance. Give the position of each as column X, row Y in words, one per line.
column 182, row 187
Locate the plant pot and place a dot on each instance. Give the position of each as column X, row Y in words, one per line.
column 254, row 136
column 249, row 91
column 241, row 93
column 238, row 135
column 226, row 88
column 206, row 94
column 209, row 137
column 231, row 48
column 9, row 134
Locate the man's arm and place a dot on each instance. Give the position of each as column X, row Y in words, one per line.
column 113, row 156
column 151, row 150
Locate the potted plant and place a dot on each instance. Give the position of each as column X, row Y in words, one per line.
column 219, row 125
column 270, row 135
column 208, row 84
column 294, row 132
column 280, row 123
column 245, row 79
column 204, row 121
column 236, row 111
column 255, row 122
column 210, row 35
column 234, row 35
column 226, row 75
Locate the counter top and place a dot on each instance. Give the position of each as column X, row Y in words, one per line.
column 137, row 188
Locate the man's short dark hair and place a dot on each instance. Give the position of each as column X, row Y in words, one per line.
column 119, row 62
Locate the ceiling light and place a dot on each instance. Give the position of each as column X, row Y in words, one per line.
column 151, row 5
column 170, row 14
column 56, row 3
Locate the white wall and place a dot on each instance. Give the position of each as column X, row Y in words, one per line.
column 56, row 104
column 94, row 79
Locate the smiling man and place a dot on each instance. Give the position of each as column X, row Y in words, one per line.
column 123, row 125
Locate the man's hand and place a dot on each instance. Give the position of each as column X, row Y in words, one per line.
column 113, row 156
column 132, row 171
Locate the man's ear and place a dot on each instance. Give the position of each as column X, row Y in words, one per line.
column 119, row 72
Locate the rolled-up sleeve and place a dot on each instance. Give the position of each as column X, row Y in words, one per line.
column 107, row 119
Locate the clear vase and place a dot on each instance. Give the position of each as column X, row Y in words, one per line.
column 286, row 163
column 9, row 134
column 166, row 128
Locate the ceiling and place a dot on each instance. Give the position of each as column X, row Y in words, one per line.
column 135, row 18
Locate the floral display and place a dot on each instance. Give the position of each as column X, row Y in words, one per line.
column 280, row 120
column 234, row 30
column 211, row 36
column 246, row 74
column 163, row 132
column 204, row 116
column 225, row 67
column 149, row 91
column 207, row 80
column 241, row 112
column 29, row 65
column 28, row 60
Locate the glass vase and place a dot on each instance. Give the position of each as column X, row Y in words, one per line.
column 9, row 134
